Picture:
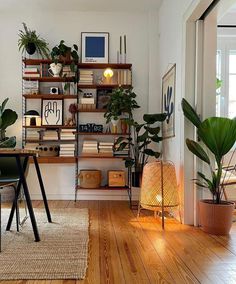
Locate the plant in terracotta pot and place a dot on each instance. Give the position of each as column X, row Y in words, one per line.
column 217, row 136
column 121, row 101
column 29, row 41
column 7, row 118
column 139, row 143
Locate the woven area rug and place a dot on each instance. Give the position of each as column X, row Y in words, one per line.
column 62, row 252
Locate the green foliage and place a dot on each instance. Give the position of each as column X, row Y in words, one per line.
column 28, row 36
column 218, row 83
column 217, row 135
column 121, row 101
column 142, row 135
column 7, row 118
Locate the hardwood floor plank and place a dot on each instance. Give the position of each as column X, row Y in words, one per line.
column 154, row 268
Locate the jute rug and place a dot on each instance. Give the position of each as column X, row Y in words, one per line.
column 61, row 254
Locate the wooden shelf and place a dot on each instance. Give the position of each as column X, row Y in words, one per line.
column 80, row 65
column 50, row 126
column 49, row 79
column 49, row 96
column 102, row 134
column 92, row 110
column 100, row 157
column 102, row 86
column 106, row 187
column 51, row 141
column 56, row 160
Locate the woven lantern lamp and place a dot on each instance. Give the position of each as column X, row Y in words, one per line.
column 159, row 190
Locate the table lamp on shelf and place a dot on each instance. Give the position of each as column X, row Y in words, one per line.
column 108, row 73
column 32, row 115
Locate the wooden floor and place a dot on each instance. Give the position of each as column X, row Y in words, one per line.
column 124, row 249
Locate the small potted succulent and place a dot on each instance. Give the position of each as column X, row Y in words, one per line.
column 7, row 118
column 30, row 42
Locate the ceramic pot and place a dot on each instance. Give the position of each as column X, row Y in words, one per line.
column 216, row 219
column 30, row 48
column 55, row 69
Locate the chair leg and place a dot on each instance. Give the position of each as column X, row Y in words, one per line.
column 139, row 209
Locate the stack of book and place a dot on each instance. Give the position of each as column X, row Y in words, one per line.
column 68, row 134
column 31, row 72
column 50, row 135
column 31, row 87
column 32, row 134
column 86, row 77
column 67, row 150
column 66, row 71
column 106, row 148
column 31, row 146
column 124, row 152
column 90, row 147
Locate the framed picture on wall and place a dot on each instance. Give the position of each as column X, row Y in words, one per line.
column 168, row 102
column 103, row 97
column 52, row 112
column 95, row 47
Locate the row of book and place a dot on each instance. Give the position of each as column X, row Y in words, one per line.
column 86, row 77
column 64, row 134
column 124, row 77
column 67, row 150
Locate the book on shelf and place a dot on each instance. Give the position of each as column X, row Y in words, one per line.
column 124, row 77
column 32, row 75
column 87, row 101
column 44, row 70
column 30, row 69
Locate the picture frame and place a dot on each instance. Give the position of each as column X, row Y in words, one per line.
column 168, row 102
column 94, row 47
column 52, row 112
column 103, row 97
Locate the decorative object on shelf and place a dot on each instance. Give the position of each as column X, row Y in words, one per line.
column 90, row 178
column 52, row 112
column 31, row 42
column 48, row 150
column 159, row 190
column 91, row 127
column 108, row 74
column 116, row 178
column 121, row 57
column 123, row 125
column 142, row 134
column 95, row 47
column 114, row 124
column 7, row 118
column 73, row 109
column 32, row 115
column 217, row 136
column 121, row 100
column 168, row 102
column 55, row 69
column 103, row 97
column 54, row 91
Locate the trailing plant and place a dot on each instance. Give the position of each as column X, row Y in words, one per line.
column 217, row 136
column 142, row 135
column 28, row 38
column 7, row 118
column 121, row 101
column 63, row 53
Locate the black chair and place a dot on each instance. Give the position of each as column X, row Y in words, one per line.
column 9, row 177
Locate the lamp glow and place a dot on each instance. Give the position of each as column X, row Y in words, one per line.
column 108, row 73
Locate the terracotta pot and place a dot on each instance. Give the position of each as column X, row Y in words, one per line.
column 216, row 219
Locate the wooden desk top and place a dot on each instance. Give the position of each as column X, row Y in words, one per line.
column 18, row 151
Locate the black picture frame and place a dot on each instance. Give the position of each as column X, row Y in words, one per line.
column 103, row 97
column 52, row 112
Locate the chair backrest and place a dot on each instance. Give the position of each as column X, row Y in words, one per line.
column 8, row 167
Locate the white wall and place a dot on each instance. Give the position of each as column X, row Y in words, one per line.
column 54, row 26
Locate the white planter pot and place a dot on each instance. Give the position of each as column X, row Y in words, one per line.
column 55, row 69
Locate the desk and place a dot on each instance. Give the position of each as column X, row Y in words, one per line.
column 17, row 154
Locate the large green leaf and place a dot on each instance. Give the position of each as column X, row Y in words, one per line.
column 190, row 113
column 197, row 150
column 218, row 134
column 153, row 130
column 8, row 118
column 150, row 152
column 152, row 118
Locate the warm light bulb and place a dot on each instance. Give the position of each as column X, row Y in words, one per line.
column 108, row 73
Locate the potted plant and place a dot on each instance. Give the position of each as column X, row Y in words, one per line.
column 121, row 101
column 142, row 135
column 65, row 54
column 29, row 41
column 7, row 118
column 217, row 136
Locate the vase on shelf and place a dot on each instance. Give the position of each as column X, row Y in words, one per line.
column 114, row 123
column 55, row 69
